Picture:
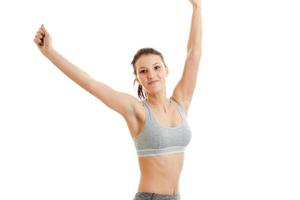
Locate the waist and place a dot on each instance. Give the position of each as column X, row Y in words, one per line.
column 159, row 187
column 161, row 174
column 163, row 166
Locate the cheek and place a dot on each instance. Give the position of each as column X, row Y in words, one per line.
column 142, row 80
column 162, row 74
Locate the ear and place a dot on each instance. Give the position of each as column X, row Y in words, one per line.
column 167, row 71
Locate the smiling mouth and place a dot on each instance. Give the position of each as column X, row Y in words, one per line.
column 153, row 82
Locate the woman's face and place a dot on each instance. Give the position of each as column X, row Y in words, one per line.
column 151, row 73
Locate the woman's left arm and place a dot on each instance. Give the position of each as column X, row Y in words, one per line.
column 184, row 90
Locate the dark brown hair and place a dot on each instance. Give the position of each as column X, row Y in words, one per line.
column 143, row 51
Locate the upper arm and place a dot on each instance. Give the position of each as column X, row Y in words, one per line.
column 184, row 89
column 118, row 101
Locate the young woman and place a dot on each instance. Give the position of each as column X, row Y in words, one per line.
column 157, row 124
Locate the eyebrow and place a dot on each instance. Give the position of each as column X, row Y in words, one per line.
column 152, row 65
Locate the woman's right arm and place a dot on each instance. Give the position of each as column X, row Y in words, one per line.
column 73, row 72
column 120, row 102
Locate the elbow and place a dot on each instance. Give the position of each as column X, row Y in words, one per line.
column 89, row 84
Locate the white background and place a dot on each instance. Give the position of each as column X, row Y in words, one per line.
column 59, row 142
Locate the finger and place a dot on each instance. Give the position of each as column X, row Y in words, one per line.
column 44, row 29
column 38, row 41
column 39, row 35
column 40, row 31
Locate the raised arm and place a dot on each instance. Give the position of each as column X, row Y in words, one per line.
column 120, row 102
column 184, row 89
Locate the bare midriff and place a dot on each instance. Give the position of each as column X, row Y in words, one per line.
column 161, row 174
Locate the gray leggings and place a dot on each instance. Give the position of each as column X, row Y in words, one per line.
column 154, row 196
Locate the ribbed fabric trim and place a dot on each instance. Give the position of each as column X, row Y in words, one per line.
column 162, row 151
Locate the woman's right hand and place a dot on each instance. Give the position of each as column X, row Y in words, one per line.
column 43, row 40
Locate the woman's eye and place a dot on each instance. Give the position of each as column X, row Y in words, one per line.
column 157, row 67
column 142, row 71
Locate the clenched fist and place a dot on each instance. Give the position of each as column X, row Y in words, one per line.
column 196, row 3
column 43, row 40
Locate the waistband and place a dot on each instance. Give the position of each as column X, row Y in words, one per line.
column 156, row 196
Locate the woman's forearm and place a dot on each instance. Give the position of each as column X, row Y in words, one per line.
column 195, row 37
column 73, row 72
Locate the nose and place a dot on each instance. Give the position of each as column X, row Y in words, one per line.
column 150, row 74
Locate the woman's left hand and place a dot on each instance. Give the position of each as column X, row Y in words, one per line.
column 195, row 2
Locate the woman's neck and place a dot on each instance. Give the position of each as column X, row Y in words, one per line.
column 162, row 104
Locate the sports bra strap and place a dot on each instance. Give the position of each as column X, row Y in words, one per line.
column 177, row 106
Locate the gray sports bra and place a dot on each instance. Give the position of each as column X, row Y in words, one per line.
column 156, row 139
